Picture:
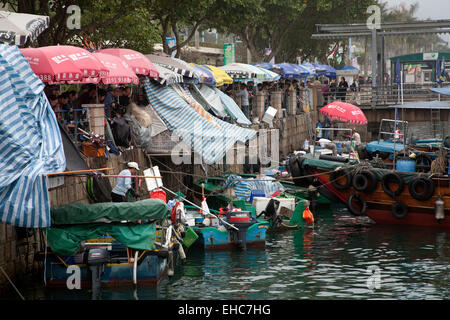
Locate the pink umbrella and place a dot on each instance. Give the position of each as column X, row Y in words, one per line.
column 84, row 60
column 136, row 60
column 344, row 112
column 51, row 66
column 119, row 71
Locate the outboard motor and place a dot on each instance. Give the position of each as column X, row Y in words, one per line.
column 271, row 212
column 241, row 220
column 96, row 259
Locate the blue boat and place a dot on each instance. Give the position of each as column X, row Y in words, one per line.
column 110, row 244
column 220, row 239
column 239, row 229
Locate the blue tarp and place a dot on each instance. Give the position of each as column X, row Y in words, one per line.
column 383, row 146
column 329, row 71
column 291, row 71
column 30, row 143
column 232, row 108
column 244, row 187
column 444, row 91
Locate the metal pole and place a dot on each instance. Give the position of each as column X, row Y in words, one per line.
column 374, row 67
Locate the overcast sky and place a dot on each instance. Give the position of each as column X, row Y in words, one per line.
column 433, row 9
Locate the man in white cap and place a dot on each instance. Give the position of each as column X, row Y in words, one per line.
column 124, row 185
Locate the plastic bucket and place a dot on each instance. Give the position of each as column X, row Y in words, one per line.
column 406, row 165
column 189, row 237
column 158, row 194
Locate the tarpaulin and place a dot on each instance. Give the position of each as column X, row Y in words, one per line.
column 210, row 141
column 30, row 143
column 66, row 241
column 77, row 213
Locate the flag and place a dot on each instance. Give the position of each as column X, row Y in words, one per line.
column 397, row 71
column 438, row 71
column 443, row 77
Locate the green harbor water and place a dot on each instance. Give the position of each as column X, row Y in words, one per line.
column 341, row 257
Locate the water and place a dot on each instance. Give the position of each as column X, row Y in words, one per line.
column 342, row 257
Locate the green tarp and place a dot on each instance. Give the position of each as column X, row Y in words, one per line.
column 81, row 213
column 65, row 241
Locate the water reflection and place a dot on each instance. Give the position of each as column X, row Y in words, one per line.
column 332, row 260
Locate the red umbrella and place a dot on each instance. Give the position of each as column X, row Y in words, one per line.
column 51, row 66
column 84, row 60
column 344, row 112
column 119, row 70
column 136, row 60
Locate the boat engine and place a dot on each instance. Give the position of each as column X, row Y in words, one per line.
column 97, row 258
column 241, row 220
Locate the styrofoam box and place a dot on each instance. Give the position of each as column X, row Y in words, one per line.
column 260, row 204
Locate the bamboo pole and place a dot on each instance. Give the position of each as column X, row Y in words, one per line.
column 78, row 171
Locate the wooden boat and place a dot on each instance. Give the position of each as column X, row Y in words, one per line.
column 111, row 244
column 238, row 229
column 386, row 196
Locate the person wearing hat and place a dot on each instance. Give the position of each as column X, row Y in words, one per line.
column 124, row 185
column 356, row 137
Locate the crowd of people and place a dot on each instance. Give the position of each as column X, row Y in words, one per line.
column 331, row 91
column 69, row 105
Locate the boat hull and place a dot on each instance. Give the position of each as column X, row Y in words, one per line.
column 212, row 238
column 150, row 271
column 382, row 214
column 379, row 204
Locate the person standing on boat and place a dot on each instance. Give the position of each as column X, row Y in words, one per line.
column 124, row 184
column 356, row 138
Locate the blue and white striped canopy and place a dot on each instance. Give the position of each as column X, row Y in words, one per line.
column 30, row 143
column 211, row 142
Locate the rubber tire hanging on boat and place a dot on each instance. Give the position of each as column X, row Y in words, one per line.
column 392, row 177
column 399, row 210
column 341, row 173
column 369, row 180
column 428, row 188
column 351, row 207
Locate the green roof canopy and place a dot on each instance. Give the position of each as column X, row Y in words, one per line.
column 420, row 57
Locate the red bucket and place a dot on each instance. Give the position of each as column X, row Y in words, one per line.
column 158, row 194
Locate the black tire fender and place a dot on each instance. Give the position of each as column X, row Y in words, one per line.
column 427, row 185
column 399, row 210
column 352, row 208
column 341, row 173
column 365, row 181
column 393, row 177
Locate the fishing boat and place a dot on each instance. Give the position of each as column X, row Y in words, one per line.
column 386, row 196
column 231, row 229
column 110, row 244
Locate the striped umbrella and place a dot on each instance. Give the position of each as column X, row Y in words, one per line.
column 221, row 77
column 172, row 64
column 167, row 76
column 19, row 28
column 206, row 75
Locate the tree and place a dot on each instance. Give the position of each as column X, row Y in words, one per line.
column 173, row 15
column 259, row 24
